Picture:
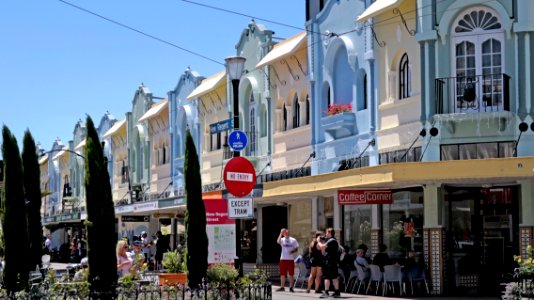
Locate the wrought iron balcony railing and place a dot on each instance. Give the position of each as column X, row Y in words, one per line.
column 473, row 94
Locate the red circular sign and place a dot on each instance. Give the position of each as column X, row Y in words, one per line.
column 239, row 176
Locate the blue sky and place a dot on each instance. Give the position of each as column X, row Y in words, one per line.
column 58, row 63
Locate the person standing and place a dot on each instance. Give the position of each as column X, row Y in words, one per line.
column 316, row 258
column 147, row 243
column 287, row 263
column 331, row 251
column 49, row 249
column 162, row 246
column 124, row 261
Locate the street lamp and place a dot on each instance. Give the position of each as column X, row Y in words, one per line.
column 235, row 66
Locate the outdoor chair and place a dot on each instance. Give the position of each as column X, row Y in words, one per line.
column 417, row 274
column 303, row 274
column 392, row 275
column 376, row 276
column 363, row 278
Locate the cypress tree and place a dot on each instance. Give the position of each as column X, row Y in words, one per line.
column 195, row 217
column 14, row 218
column 100, row 223
column 32, row 182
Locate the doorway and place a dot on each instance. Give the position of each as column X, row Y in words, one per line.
column 482, row 237
column 274, row 219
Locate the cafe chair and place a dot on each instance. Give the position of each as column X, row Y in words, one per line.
column 303, row 274
column 376, row 276
column 417, row 274
column 363, row 278
column 351, row 282
column 392, row 275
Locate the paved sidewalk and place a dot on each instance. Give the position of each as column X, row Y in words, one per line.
column 300, row 294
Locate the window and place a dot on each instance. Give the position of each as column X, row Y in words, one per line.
column 252, row 134
column 477, row 61
column 164, row 154
column 124, row 173
column 365, row 99
column 404, row 77
column 284, row 124
column 296, row 113
column 307, row 110
column 403, row 223
column 477, row 151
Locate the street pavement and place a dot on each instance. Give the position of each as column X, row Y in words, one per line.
column 300, row 294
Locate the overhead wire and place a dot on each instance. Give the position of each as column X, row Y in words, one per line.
column 141, row 32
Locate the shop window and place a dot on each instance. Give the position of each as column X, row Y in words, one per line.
column 357, row 225
column 402, row 224
column 477, row 151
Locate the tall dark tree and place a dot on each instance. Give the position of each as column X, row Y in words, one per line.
column 195, row 217
column 32, row 188
column 14, row 218
column 101, row 236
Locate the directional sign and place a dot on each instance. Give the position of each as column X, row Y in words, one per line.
column 240, row 208
column 237, row 140
column 239, row 176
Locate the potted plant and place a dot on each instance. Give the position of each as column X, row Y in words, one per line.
column 173, row 263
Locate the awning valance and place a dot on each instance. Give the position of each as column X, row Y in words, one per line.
column 115, row 128
column 154, row 110
column 60, row 153
column 378, row 7
column 400, row 175
column 284, row 48
column 208, row 85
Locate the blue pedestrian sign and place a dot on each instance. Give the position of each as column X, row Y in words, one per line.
column 237, row 140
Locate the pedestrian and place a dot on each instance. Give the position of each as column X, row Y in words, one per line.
column 147, row 243
column 48, row 245
column 124, row 261
column 331, row 252
column 162, row 246
column 316, row 259
column 287, row 263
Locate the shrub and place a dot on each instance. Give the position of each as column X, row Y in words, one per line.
column 222, row 273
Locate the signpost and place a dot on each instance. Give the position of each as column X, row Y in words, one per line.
column 238, row 140
column 239, row 176
column 240, row 208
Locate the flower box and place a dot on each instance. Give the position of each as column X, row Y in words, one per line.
column 172, row 278
column 339, row 125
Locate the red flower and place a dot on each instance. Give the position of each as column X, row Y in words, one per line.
column 336, row 108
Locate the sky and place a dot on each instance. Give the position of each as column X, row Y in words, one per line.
column 59, row 63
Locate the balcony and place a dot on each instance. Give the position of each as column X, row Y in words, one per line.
column 473, row 94
column 339, row 125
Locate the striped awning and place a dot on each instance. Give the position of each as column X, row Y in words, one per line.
column 378, row 7
column 115, row 128
column 209, row 84
column 284, row 48
column 154, row 110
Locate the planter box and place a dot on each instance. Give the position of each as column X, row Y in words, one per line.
column 339, row 125
column 172, row 278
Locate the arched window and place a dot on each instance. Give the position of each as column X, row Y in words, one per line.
column 477, row 60
column 284, row 123
column 252, row 134
column 404, row 77
column 296, row 113
column 307, row 109
column 164, row 154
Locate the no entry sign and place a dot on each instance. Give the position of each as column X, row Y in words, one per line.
column 239, row 176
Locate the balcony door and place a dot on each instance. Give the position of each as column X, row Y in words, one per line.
column 477, row 52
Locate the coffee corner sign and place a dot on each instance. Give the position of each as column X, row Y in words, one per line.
column 347, row 197
column 239, row 176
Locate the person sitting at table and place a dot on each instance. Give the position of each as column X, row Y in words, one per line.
column 382, row 258
column 362, row 261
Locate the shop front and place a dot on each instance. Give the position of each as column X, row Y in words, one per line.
column 465, row 219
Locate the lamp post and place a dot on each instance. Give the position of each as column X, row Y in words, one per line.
column 235, row 66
